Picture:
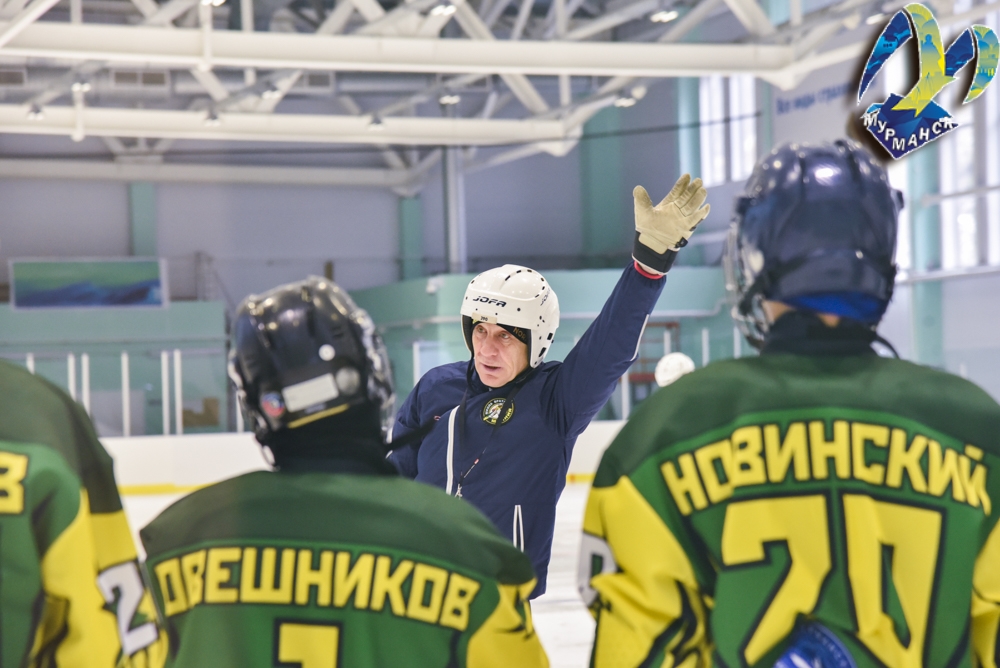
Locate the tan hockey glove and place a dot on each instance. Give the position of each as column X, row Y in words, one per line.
column 662, row 230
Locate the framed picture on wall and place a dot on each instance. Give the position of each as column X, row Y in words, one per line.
column 88, row 283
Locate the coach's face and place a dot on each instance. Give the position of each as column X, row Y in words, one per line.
column 499, row 356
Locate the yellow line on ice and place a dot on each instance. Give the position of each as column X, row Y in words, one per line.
column 161, row 489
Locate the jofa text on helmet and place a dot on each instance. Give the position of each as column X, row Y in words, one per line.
column 489, row 300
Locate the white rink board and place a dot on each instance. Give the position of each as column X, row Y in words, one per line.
column 201, row 459
column 154, row 471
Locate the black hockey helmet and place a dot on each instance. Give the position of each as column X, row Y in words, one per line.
column 816, row 229
column 305, row 354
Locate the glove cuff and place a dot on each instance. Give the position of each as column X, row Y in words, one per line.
column 661, row 262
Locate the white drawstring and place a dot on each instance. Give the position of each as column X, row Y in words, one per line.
column 451, row 448
column 517, row 534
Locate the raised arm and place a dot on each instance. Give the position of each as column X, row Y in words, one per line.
column 588, row 375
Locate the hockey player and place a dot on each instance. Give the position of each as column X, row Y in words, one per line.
column 71, row 593
column 817, row 505
column 499, row 430
column 333, row 559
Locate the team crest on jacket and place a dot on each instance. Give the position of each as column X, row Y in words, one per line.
column 491, row 411
column 272, row 404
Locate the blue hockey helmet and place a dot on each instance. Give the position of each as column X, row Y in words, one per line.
column 305, row 354
column 816, row 229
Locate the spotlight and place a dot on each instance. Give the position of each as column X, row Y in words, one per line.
column 376, row 124
column 35, row 113
column 873, row 19
column 212, row 119
column 664, row 16
column 80, row 87
column 444, row 10
column 449, row 99
column 625, row 102
column 271, row 92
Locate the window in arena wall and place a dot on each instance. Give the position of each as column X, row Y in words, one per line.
column 897, row 79
column 742, row 126
column 712, row 116
column 964, row 238
column 959, row 235
column 899, row 179
column 728, row 131
column 991, row 130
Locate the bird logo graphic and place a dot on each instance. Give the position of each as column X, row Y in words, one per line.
column 903, row 124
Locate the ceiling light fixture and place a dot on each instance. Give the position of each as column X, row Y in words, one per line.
column 271, row 92
column 664, row 16
column 376, row 124
column 873, row 19
column 625, row 102
column 449, row 99
column 35, row 113
column 444, row 10
column 212, row 119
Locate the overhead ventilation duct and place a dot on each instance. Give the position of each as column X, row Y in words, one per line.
column 158, row 79
column 13, row 77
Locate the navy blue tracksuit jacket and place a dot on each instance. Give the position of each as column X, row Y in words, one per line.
column 523, row 461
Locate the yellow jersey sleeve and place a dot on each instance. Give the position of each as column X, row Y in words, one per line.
column 638, row 583
column 97, row 610
column 508, row 637
column 986, row 602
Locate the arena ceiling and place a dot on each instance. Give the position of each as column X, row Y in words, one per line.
column 403, row 80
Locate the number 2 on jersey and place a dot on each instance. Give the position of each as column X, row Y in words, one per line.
column 307, row 644
column 912, row 533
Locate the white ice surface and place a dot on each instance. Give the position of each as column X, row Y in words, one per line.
column 563, row 624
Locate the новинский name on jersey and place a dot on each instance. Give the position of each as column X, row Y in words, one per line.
column 878, row 454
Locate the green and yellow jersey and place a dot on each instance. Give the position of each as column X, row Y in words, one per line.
column 71, row 593
column 321, row 570
column 760, row 493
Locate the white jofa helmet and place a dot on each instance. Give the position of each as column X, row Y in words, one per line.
column 671, row 367
column 513, row 296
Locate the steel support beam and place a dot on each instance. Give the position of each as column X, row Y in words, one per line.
column 323, row 129
column 753, row 18
column 24, row 18
column 185, row 48
column 80, row 170
column 518, row 83
column 454, row 204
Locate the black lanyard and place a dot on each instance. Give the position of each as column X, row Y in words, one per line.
column 460, row 435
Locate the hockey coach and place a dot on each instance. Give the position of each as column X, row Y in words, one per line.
column 499, row 430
